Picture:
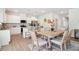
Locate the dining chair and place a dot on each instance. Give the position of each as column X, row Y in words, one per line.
column 61, row 41
column 69, row 39
column 37, row 42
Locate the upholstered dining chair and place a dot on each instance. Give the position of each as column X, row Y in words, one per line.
column 37, row 42
column 61, row 41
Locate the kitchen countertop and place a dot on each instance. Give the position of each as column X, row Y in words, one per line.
column 4, row 29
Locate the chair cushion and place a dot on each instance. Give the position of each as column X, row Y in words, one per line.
column 30, row 46
column 42, row 42
column 57, row 40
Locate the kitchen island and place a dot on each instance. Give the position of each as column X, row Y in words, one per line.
column 4, row 37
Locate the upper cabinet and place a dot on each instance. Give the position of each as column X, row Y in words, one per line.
column 23, row 16
column 1, row 15
column 12, row 18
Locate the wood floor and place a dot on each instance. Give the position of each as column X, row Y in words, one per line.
column 75, row 39
column 17, row 43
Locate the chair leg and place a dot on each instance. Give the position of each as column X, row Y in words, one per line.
column 46, row 46
column 65, row 46
column 68, row 43
column 32, row 47
column 36, row 47
column 61, row 47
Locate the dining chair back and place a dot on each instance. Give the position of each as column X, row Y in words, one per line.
column 62, row 41
column 37, row 42
column 65, row 35
column 34, row 39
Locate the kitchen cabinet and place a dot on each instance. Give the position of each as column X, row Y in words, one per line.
column 1, row 15
column 15, row 30
column 4, row 37
column 23, row 17
column 12, row 18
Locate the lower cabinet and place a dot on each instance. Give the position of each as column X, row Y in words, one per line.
column 4, row 37
column 15, row 31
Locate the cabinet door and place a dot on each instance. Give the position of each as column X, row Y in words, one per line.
column 1, row 15
column 12, row 19
column 15, row 31
column 4, row 37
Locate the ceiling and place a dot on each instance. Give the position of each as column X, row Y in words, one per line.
column 38, row 11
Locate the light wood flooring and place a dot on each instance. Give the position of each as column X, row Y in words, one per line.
column 17, row 43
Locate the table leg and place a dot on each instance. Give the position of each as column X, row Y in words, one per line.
column 49, row 43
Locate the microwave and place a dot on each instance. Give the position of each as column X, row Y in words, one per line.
column 23, row 21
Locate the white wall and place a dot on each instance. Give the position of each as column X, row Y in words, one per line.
column 73, row 20
column 51, row 16
column 1, row 14
column 26, row 13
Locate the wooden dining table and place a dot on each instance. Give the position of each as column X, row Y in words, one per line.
column 50, row 34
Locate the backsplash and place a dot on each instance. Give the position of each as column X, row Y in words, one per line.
column 10, row 25
column 13, row 25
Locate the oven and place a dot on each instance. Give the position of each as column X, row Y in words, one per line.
column 23, row 25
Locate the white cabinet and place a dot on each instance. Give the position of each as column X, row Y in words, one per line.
column 15, row 30
column 23, row 17
column 4, row 37
column 1, row 14
column 12, row 18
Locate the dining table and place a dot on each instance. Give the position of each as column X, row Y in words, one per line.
column 50, row 34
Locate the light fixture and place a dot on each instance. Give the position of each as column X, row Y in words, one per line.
column 61, row 12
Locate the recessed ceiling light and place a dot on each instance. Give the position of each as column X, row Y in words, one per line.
column 61, row 12
column 43, row 11
column 16, row 10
